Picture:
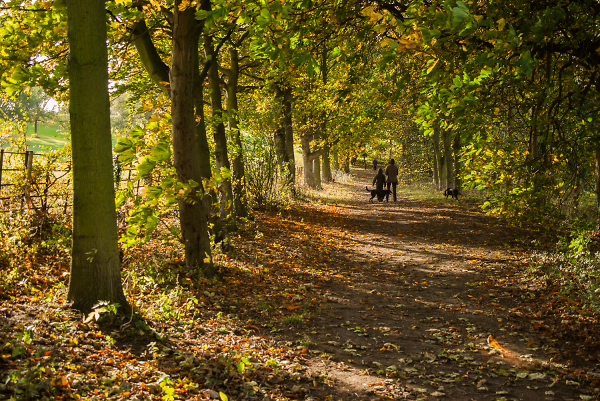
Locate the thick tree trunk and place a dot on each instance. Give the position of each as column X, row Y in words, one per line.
column 220, row 138
column 210, row 200
column 308, row 156
column 194, row 227
column 239, row 186
column 317, row 172
column 307, row 161
column 95, row 271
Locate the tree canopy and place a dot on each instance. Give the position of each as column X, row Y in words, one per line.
column 506, row 92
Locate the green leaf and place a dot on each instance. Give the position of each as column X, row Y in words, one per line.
column 123, row 144
column 161, row 152
column 501, row 24
column 222, row 396
column 241, row 366
column 201, row 14
column 145, row 166
column 120, row 198
column 137, row 133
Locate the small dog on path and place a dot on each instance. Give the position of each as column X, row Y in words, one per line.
column 453, row 192
column 379, row 193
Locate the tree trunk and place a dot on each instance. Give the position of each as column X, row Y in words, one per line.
column 239, row 186
column 323, row 133
column 307, row 161
column 95, row 271
column 159, row 73
column 289, row 136
column 280, row 137
column 326, row 164
column 317, row 172
column 448, row 159
column 457, row 175
column 437, row 157
column 336, row 160
column 210, row 200
column 347, row 165
column 220, row 138
column 597, row 177
column 194, row 227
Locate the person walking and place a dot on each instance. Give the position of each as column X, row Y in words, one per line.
column 374, row 164
column 391, row 170
column 379, row 180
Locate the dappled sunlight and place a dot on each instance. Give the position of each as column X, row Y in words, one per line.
column 405, row 290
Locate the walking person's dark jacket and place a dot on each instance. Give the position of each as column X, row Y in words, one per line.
column 379, row 180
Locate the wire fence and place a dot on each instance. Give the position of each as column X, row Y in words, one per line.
column 40, row 187
column 42, row 184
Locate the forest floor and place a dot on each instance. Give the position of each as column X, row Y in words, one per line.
column 332, row 299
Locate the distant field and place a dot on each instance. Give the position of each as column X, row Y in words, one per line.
column 48, row 136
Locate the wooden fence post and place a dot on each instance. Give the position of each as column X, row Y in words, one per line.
column 28, row 178
column 1, row 165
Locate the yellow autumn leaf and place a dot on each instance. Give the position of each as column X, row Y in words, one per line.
column 493, row 343
column 148, row 105
column 432, row 66
column 184, row 5
column 501, row 23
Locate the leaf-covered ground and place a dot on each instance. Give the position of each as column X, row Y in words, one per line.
column 338, row 299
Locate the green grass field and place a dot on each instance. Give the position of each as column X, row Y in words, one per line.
column 47, row 137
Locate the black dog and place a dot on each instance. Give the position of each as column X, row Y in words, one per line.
column 453, row 192
column 379, row 193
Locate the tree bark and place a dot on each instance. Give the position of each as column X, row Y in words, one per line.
column 280, row 137
column 159, row 73
column 448, row 159
column 220, row 138
column 239, row 187
column 156, row 68
column 456, row 145
column 336, row 160
column 289, row 136
column 326, row 170
column 437, row 157
column 317, row 172
column 308, row 155
column 347, row 165
column 210, row 200
column 597, row 177
column 95, row 268
column 284, row 136
column 194, row 227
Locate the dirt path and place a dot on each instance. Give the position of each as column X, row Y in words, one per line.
column 427, row 301
column 334, row 299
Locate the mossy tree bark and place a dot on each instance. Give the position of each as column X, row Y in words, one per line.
column 95, row 267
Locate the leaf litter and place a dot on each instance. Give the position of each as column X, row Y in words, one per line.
column 339, row 299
